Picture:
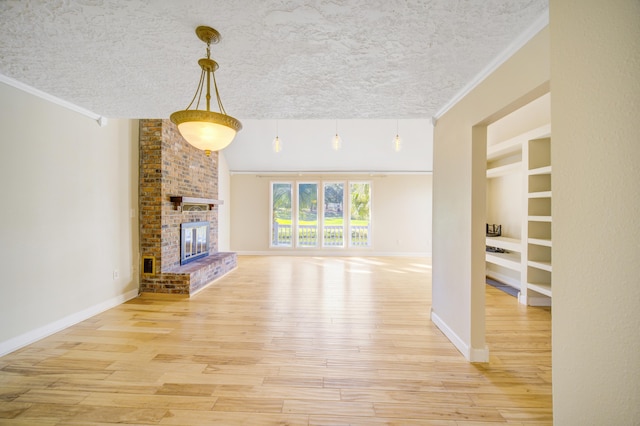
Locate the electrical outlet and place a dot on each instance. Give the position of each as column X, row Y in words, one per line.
column 116, row 274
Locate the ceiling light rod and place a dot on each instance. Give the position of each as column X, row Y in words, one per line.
column 206, row 129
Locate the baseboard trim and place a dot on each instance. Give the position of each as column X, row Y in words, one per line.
column 505, row 279
column 471, row 354
column 318, row 253
column 33, row 336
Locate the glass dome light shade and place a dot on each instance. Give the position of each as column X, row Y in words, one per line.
column 206, row 130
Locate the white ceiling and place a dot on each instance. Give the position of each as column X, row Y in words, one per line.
column 284, row 60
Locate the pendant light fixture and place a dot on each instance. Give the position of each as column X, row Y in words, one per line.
column 277, row 143
column 336, row 143
column 397, row 142
column 206, row 129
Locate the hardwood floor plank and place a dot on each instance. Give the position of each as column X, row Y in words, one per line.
column 53, row 396
column 13, row 409
column 286, row 340
column 336, row 408
column 96, row 415
column 431, row 411
column 325, row 420
column 249, row 405
column 388, row 396
column 154, row 401
column 204, row 418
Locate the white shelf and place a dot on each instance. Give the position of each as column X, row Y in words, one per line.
column 504, row 149
column 507, row 260
column 546, row 170
column 539, row 219
column 541, row 194
column 504, row 170
column 514, row 145
column 544, row 289
column 506, row 243
column 539, row 242
column 545, row 266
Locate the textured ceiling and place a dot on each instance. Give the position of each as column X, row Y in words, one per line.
column 305, row 59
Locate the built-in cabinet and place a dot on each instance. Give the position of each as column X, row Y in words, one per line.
column 526, row 261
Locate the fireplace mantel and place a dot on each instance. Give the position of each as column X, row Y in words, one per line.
column 180, row 201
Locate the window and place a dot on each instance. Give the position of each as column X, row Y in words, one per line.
column 321, row 218
column 281, row 235
column 307, row 214
column 360, row 214
column 333, row 215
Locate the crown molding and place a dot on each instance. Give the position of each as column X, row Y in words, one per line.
column 102, row 121
column 537, row 26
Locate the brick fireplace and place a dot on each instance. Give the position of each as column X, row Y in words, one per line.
column 170, row 168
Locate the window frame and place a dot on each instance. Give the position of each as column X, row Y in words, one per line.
column 350, row 225
column 272, row 218
column 347, row 240
column 344, row 219
column 297, row 215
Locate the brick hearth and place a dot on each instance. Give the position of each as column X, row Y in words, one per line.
column 169, row 166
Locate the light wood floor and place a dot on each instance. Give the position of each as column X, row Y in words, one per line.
column 286, row 340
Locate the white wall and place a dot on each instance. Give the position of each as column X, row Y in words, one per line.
column 535, row 114
column 459, row 192
column 70, row 188
column 366, row 146
column 595, row 113
column 224, row 210
column 401, row 214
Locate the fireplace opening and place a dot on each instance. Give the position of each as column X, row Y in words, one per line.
column 194, row 241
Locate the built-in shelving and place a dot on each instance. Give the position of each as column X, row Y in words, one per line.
column 498, row 171
column 546, row 170
column 544, row 265
column 544, row 289
column 528, row 257
column 539, row 218
column 540, row 242
column 511, row 244
column 540, row 194
column 506, row 260
column 539, row 268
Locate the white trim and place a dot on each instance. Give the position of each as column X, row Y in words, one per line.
column 537, row 26
column 102, row 121
column 320, row 173
column 479, row 355
column 329, row 253
column 503, row 278
column 32, row 336
column 471, row 354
